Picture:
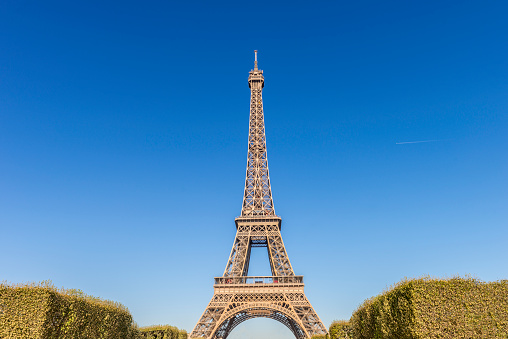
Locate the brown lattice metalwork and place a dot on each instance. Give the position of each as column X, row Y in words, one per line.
column 237, row 296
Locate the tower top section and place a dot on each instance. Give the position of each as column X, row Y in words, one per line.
column 256, row 79
column 257, row 198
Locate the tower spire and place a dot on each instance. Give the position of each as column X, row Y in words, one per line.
column 255, row 60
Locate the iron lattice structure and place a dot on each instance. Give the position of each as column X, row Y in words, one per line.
column 237, row 296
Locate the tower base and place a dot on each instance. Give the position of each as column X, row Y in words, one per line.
column 238, row 299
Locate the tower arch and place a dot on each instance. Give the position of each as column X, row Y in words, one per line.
column 237, row 315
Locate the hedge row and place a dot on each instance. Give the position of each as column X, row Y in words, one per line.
column 435, row 308
column 340, row 329
column 40, row 311
column 162, row 332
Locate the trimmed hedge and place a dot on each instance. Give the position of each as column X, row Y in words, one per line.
column 435, row 308
column 340, row 329
column 40, row 311
column 162, row 332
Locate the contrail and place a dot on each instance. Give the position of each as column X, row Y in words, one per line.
column 418, row 142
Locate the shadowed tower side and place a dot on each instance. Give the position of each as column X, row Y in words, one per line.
column 238, row 296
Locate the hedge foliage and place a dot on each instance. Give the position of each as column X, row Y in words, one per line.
column 340, row 329
column 41, row 311
column 320, row 336
column 435, row 308
column 162, row 332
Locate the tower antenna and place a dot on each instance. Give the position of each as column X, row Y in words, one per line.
column 255, row 60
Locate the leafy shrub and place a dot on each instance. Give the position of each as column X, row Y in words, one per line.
column 435, row 308
column 41, row 311
column 340, row 329
column 162, row 332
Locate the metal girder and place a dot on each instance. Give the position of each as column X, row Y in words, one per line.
column 252, row 232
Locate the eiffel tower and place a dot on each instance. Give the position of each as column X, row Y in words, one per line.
column 237, row 296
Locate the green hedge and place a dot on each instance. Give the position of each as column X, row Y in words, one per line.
column 340, row 329
column 320, row 336
column 435, row 308
column 40, row 311
column 162, row 332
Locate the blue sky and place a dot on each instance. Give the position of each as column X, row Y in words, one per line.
column 123, row 140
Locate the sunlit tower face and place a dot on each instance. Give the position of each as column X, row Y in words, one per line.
column 237, row 296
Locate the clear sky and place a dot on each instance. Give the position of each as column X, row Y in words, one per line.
column 123, row 143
